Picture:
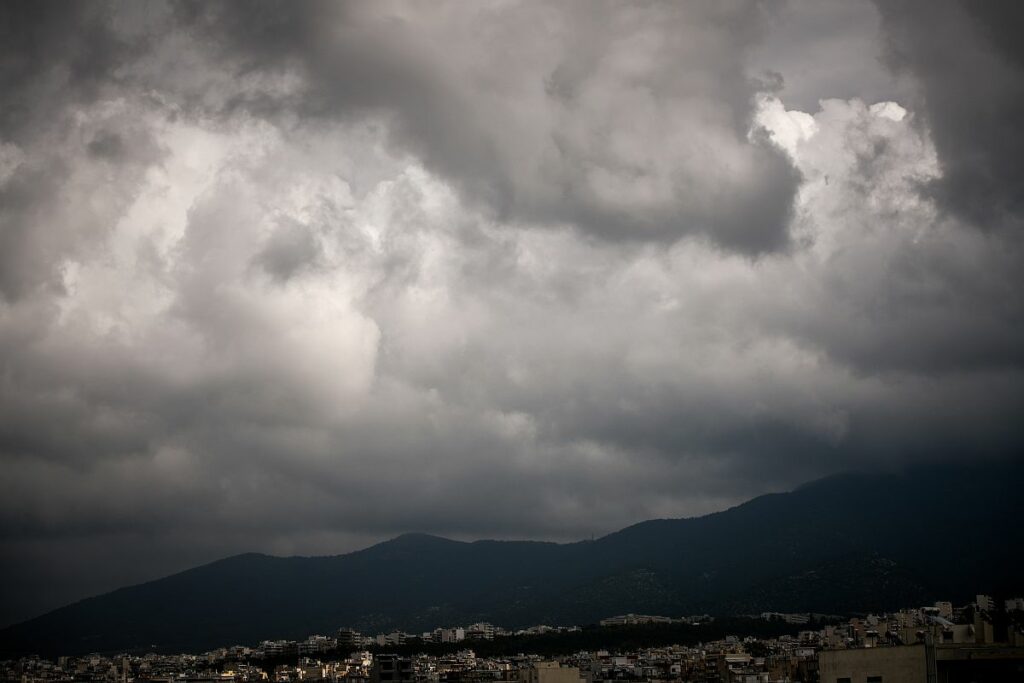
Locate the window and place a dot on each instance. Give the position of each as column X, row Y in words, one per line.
column 874, row 679
column 844, row 679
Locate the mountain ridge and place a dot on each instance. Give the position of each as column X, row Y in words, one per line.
column 820, row 545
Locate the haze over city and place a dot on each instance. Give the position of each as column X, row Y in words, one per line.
column 296, row 278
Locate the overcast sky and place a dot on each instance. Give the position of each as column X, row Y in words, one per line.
column 295, row 278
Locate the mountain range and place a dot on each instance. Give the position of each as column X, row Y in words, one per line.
column 850, row 543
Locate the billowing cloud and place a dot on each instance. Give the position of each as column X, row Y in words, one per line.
column 969, row 62
column 298, row 278
column 626, row 122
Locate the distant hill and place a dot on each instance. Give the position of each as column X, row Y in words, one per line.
column 842, row 544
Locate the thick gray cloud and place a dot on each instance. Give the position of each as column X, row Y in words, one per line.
column 629, row 122
column 297, row 278
column 969, row 60
column 830, row 48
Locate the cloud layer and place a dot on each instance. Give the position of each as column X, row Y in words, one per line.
column 298, row 278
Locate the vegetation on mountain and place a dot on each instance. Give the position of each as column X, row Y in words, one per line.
column 843, row 544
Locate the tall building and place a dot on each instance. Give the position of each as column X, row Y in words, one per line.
column 349, row 639
column 392, row 669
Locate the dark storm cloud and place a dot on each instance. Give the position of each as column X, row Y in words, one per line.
column 297, row 277
column 290, row 248
column 829, row 48
column 53, row 54
column 905, row 298
column 969, row 60
column 628, row 122
column 55, row 57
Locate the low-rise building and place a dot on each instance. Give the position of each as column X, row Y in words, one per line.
column 922, row 663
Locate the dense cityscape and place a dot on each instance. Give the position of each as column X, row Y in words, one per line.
column 980, row 641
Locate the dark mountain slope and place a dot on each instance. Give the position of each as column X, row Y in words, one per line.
column 928, row 533
column 872, row 583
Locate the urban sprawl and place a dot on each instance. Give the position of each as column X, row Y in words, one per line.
column 940, row 643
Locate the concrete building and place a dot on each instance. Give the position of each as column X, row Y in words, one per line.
column 392, row 669
column 480, row 631
column 449, row 635
column 549, row 672
column 279, row 648
column 349, row 639
column 315, row 645
column 923, row 664
column 635, row 619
